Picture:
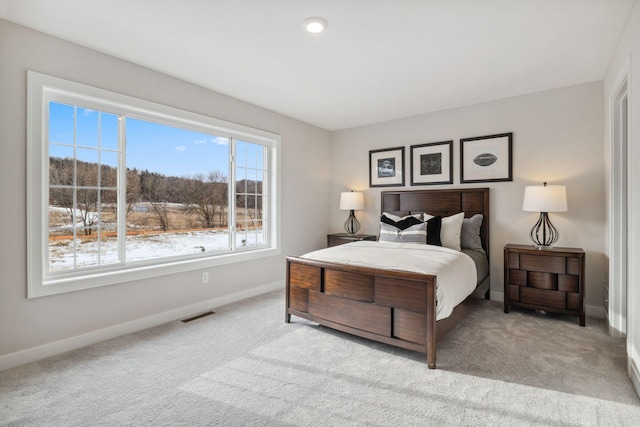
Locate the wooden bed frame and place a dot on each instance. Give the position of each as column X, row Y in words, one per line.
column 389, row 306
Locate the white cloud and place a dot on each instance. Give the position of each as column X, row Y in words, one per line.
column 87, row 111
column 200, row 141
column 181, row 148
column 218, row 140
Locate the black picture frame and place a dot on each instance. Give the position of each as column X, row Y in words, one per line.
column 432, row 163
column 486, row 158
column 386, row 167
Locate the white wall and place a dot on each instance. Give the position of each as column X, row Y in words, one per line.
column 626, row 60
column 558, row 138
column 28, row 327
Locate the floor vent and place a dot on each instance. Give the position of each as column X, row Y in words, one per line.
column 197, row 316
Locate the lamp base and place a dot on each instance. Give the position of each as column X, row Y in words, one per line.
column 543, row 233
column 352, row 225
column 542, row 247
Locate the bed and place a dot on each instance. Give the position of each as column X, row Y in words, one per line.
column 388, row 305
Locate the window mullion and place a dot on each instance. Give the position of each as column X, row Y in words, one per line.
column 99, row 192
column 74, row 201
column 266, row 197
column 122, row 190
column 232, row 194
column 45, row 184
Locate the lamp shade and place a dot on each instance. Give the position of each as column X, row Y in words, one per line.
column 351, row 200
column 545, row 198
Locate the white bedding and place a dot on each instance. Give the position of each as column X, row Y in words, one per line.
column 455, row 271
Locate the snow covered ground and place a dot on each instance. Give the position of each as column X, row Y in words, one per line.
column 91, row 253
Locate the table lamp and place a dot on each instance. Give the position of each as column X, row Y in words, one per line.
column 544, row 199
column 350, row 201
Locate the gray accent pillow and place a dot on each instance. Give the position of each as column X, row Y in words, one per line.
column 414, row 234
column 470, row 233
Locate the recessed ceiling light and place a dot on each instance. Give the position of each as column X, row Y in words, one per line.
column 314, row 25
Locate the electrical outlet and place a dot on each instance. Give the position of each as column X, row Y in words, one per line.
column 205, row 277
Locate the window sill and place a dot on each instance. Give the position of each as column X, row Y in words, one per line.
column 38, row 288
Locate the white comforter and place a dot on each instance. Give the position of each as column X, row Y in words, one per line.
column 455, row 271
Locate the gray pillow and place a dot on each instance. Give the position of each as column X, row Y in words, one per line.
column 470, row 233
column 414, row 234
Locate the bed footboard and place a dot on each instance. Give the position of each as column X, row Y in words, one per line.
column 393, row 307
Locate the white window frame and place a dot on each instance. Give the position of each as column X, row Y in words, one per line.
column 40, row 89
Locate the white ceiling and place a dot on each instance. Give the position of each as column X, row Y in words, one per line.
column 378, row 60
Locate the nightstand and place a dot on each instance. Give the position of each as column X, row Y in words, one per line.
column 342, row 238
column 550, row 279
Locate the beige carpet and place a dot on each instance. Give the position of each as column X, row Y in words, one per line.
column 245, row 366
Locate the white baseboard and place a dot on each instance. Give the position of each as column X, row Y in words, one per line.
column 590, row 310
column 616, row 333
column 595, row 311
column 23, row 357
column 496, row 295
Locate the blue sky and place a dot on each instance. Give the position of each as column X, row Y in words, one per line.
column 155, row 147
column 173, row 151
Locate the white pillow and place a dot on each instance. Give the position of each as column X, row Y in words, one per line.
column 450, row 231
column 397, row 218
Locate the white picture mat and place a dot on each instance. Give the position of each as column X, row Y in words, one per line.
column 498, row 146
column 398, row 170
column 444, row 176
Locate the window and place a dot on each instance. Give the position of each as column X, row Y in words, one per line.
column 121, row 189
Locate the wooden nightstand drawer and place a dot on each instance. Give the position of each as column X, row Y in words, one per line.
column 342, row 238
column 543, row 263
column 548, row 280
column 518, row 277
column 539, row 280
column 544, row 298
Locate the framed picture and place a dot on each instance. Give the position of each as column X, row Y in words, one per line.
column 486, row 158
column 432, row 163
column 386, row 167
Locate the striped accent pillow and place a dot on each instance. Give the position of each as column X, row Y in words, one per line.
column 414, row 234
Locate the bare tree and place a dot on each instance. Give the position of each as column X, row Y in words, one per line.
column 206, row 196
column 84, row 187
column 134, row 188
column 86, row 190
column 153, row 189
column 249, row 196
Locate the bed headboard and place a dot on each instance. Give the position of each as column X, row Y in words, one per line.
column 446, row 202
